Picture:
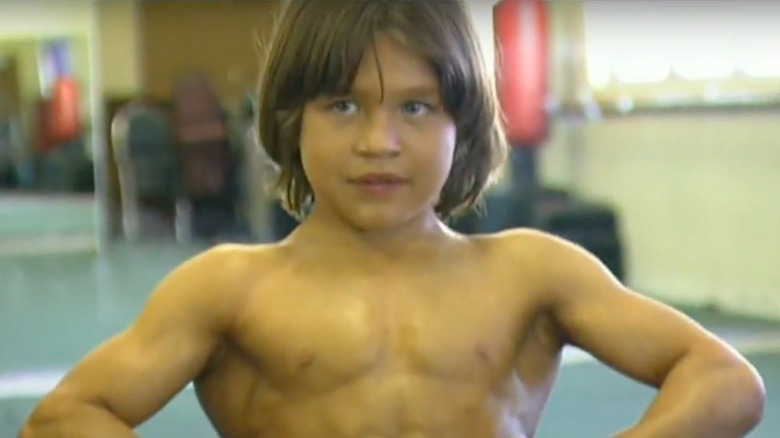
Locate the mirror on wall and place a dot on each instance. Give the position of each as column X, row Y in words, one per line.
column 46, row 163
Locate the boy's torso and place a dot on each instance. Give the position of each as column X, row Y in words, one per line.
column 457, row 347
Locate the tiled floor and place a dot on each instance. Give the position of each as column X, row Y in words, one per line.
column 53, row 309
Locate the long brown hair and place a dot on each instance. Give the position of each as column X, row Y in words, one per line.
column 316, row 50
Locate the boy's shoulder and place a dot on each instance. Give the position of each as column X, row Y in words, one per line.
column 558, row 268
column 216, row 281
column 536, row 258
column 237, row 260
column 525, row 243
column 226, row 267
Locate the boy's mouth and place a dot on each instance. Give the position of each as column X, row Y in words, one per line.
column 379, row 185
column 379, row 179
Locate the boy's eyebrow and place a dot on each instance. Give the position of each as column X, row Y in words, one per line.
column 420, row 90
column 424, row 90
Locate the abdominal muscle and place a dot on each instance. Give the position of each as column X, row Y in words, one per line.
column 386, row 404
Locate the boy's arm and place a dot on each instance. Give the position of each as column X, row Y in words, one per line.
column 133, row 375
column 706, row 389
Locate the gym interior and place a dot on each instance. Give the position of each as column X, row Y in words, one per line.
column 647, row 132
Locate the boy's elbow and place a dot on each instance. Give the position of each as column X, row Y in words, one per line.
column 53, row 409
column 26, row 432
column 40, row 419
column 64, row 413
column 755, row 394
column 31, row 430
column 745, row 388
column 730, row 390
column 33, row 427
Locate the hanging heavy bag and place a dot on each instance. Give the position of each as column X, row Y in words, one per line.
column 64, row 117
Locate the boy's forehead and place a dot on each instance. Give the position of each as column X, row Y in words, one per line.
column 392, row 68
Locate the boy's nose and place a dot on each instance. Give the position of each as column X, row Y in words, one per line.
column 379, row 137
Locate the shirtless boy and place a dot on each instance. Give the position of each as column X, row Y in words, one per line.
column 374, row 319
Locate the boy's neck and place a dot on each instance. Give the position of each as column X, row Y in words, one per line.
column 413, row 237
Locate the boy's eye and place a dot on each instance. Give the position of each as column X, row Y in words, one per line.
column 343, row 107
column 416, row 109
column 346, row 107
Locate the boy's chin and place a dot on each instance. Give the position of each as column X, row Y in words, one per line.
column 380, row 220
column 376, row 223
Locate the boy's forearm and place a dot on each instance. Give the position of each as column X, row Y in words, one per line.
column 75, row 421
column 703, row 401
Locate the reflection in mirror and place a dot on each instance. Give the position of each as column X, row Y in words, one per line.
column 46, row 161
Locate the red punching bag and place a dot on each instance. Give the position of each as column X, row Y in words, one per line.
column 64, row 121
column 521, row 28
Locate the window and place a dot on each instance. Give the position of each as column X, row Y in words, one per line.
column 684, row 50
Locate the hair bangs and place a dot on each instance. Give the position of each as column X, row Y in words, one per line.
column 336, row 50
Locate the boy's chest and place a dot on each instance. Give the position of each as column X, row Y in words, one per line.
column 329, row 333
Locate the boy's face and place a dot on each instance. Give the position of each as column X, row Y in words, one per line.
column 379, row 157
